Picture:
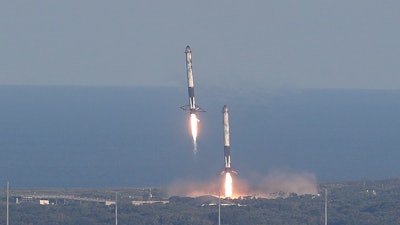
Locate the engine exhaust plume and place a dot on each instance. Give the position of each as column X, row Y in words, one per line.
column 192, row 107
column 193, row 125
column 228, row 185
column 227, row 155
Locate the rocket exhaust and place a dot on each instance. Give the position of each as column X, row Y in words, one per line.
column 227, row 155
column 192, row 107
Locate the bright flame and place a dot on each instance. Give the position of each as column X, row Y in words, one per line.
column 193, row 123
column 228, row 185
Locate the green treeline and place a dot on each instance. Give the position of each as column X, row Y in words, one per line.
column 353, row 203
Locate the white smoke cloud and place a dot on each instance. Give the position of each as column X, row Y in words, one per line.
column 194, row 188
column 283, row 183
column 277, row 183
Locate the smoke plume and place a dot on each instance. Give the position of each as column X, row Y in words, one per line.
column 194, row 188
column 282, row 183
column 278, row 183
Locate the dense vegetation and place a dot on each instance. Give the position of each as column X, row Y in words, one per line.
column 352, row 203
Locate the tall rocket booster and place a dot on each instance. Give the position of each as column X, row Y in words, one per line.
column 192, row 107
column 227, row 150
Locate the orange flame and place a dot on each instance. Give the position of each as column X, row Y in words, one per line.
column 228, row 185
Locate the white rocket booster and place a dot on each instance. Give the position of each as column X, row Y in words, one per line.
column 227, row 150
column 192, row 107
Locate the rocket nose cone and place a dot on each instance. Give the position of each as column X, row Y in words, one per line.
column 225, row 108
column 188, row 49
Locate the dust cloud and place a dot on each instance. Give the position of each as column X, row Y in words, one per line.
column 277, row 183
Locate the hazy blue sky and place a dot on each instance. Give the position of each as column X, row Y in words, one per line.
column 322, row 44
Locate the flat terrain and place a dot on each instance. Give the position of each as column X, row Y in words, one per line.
column 358, row 202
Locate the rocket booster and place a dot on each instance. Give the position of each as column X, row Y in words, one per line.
column 189, row 73
column 192, row 107
column 227, row 150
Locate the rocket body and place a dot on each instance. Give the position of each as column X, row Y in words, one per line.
column 227, row 151
column 192, row 107
column 227, row 155
column 190, row 79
